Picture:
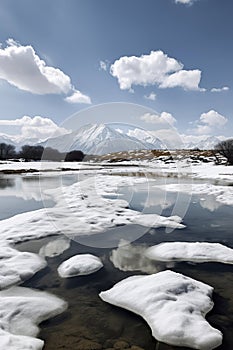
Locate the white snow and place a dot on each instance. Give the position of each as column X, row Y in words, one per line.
column 16, row 266
column 55, row 247
column 81, row 209
column 198, row 252
column 222, row 194
column 22, row 310
column 102, row 139
column 172, row 304
column 79, row 265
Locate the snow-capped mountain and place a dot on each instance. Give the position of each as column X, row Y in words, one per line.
column 6, row 139
column 146, row 137
column 18, row 143
column 207, row 143
column 101, row 139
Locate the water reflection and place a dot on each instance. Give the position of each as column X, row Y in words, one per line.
column 6, row 182
column 55, row 247
column 130, row 257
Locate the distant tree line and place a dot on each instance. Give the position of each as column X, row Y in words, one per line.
column 37, row 153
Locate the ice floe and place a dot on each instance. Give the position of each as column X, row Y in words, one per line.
column 22, row 310
column 198, row 252
column 82, row 209
column 222, row 194
column 172, row 304
column 16, row 266
column 79, row 265
column 55, row 247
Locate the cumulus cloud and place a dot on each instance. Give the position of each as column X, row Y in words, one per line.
column 224, row 88
column 213, row 118
column 163, row 118
column 151, row 96
column 154, row 69
column 37, row 127
column 210, row 121
column 21, row 67
column 78, row 97
column 187, row 79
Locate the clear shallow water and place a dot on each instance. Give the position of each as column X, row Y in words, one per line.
column 19, row 194
column 90, row 319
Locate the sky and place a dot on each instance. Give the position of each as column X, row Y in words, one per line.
column 173, row 57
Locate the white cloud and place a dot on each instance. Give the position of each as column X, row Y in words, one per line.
column 103, row 65
column 78, row 97
column 187, row 79
column 38, row 128
column 163, row 118
column 21, row 67
column 154, row 69
column 186, row 2
column 224, row 88
column 151, row 96
column 209, row 122
column 213, row 118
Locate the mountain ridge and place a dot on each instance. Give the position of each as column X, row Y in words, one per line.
column 102, row 139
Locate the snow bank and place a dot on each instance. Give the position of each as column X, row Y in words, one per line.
column 223, row 194
column 16, row 266
column 198, row 252
column 82, row 209
column 55, row 247
column 79, row 265
column 173, row 305
column 22, row 309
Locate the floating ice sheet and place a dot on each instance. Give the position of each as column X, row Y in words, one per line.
column 22, row 309
column 172, row 304
column 198, row 252
column 16, row 267
column 79, row 265
column 223, row 194
column 82, row 209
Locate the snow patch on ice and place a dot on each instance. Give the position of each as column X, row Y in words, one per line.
column 172, row 304
column 79, row 265
column 16, row 266
column 22, row 310
column 198, row 252
column 81, row 209
column 223, row 194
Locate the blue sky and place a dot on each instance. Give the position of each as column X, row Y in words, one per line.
column 76, row 35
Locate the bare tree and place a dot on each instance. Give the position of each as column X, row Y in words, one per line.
column 74, row 156
column 225, row 148
column 7, row 151
column 31, row 152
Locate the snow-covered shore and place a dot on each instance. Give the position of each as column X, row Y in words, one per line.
column 156, row 167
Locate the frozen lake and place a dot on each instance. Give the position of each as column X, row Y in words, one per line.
column 88, row 319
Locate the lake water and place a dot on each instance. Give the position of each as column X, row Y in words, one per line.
column 89, row 323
